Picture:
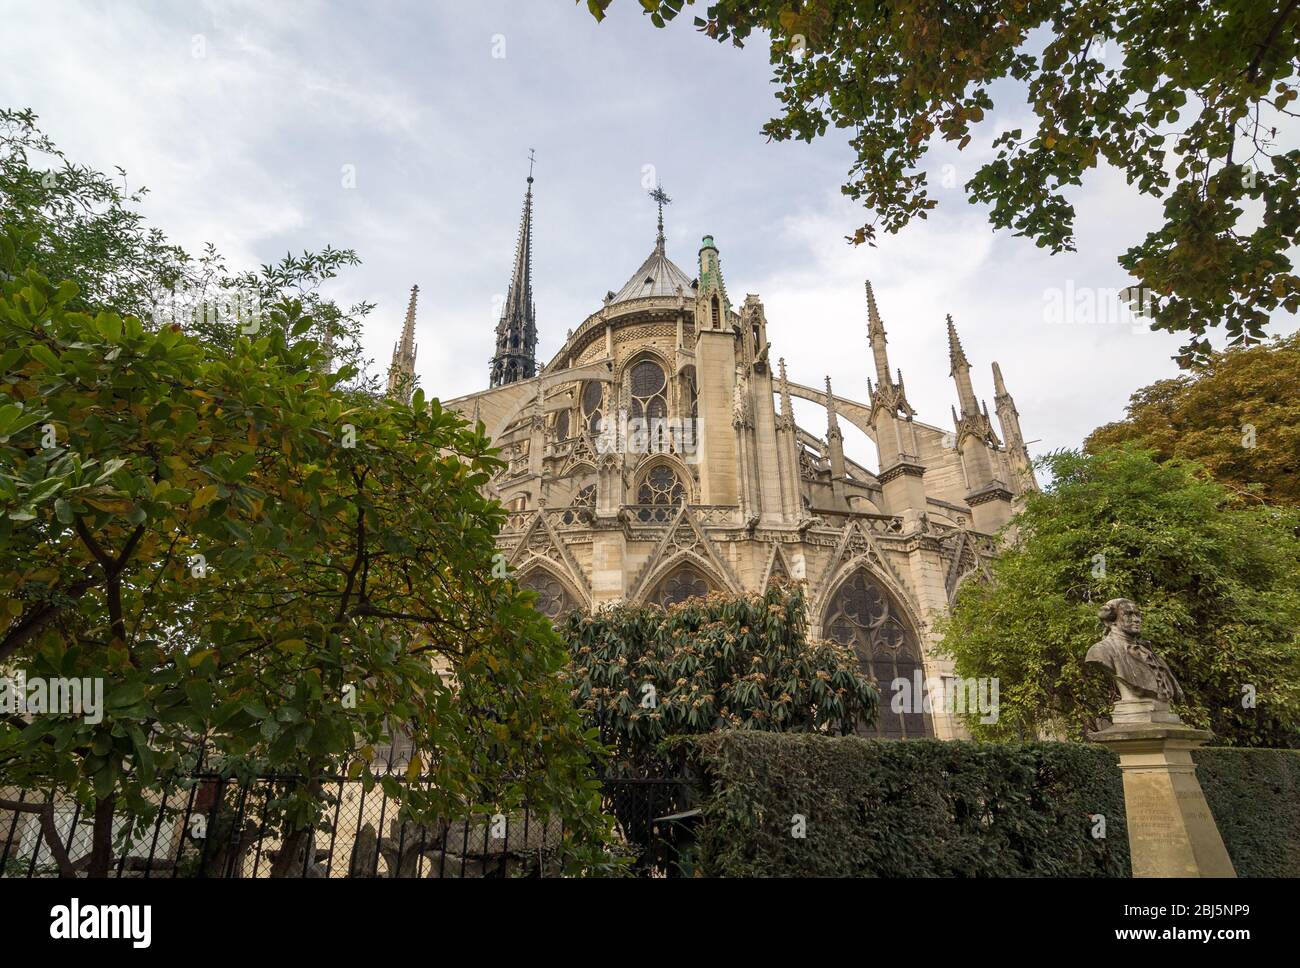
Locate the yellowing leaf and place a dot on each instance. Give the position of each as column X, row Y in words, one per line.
column 204, row 496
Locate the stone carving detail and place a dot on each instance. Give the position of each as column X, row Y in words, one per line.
column 741, row 411
column 661, row 486
column 683, row 582
column 1146, row 684
column 776, row 566
column 552, row 600
column 629, row 334
column 541, row 541
column 583, row 508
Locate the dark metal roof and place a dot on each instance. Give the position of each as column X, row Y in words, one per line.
column 658, row 276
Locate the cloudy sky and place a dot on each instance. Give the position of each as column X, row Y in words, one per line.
column 242, row 119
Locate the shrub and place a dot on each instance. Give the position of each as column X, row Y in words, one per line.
column 920, row 808
column 643, row 674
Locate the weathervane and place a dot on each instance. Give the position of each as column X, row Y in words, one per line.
column 660, row 196
column 531, row 158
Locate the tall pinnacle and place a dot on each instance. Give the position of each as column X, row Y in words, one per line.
column 960, row 372
column 516, row 332
column 832, row 420
column 999, row 388
column 876, row 336
column 956, row 355
column 874, row 325
column 786, row 410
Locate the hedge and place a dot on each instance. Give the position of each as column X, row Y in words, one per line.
column 931, row 808
column 915, row 808
column 1254, row 795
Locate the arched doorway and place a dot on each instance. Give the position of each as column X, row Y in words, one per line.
column 863, row 616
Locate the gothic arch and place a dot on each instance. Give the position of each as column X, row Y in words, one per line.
column 624, row 376
column 678, row 467
column 864, row 613
column 651, row 588
column 580, row 469
column 896, row 592
column 537, row 574
column 648, row 352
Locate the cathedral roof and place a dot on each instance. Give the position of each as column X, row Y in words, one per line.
column 658, row 276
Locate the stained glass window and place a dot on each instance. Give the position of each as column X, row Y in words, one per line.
column 591, row 406
column 661, row 486
column 552, row 600
column 681, row 583
column 648, row 390
column 863, row 617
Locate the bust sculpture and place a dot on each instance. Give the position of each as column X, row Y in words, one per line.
column 1146, row 684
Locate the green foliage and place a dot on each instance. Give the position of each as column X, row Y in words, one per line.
column 346, row 553
column 1238, row 416
column 77, row 223
column 916, row 808
column 931, row 808
column 1255, row 798
column 1218, row 585
column 713, row 663
column 1185, row 99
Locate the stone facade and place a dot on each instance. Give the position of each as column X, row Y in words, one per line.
column 728, row 491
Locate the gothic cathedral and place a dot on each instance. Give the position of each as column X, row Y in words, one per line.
column 656, row 457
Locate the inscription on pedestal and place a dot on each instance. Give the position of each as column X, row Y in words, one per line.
column 1171, row 832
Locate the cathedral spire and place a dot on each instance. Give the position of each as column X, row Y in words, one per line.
column 516, row 332
column 401, row 372
column 999, row 388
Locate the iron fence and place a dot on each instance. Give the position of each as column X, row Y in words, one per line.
column 215, row 826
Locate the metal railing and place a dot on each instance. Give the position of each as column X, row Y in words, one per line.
column 215, row 826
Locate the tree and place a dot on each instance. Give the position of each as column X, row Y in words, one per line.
column 642, row 674
column 1147, row 86
column 261, row 564
column 1238, row 416
column 1218, row 585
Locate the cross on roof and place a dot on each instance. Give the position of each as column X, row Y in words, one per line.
column 660, row 196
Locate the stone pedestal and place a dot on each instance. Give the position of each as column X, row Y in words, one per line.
column 1171, row 832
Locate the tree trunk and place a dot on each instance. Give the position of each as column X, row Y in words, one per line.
column 297, row 851
column 101, row 851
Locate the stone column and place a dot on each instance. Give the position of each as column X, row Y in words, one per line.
column 1171, row 832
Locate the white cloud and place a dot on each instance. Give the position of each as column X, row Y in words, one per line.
column 243, row 146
